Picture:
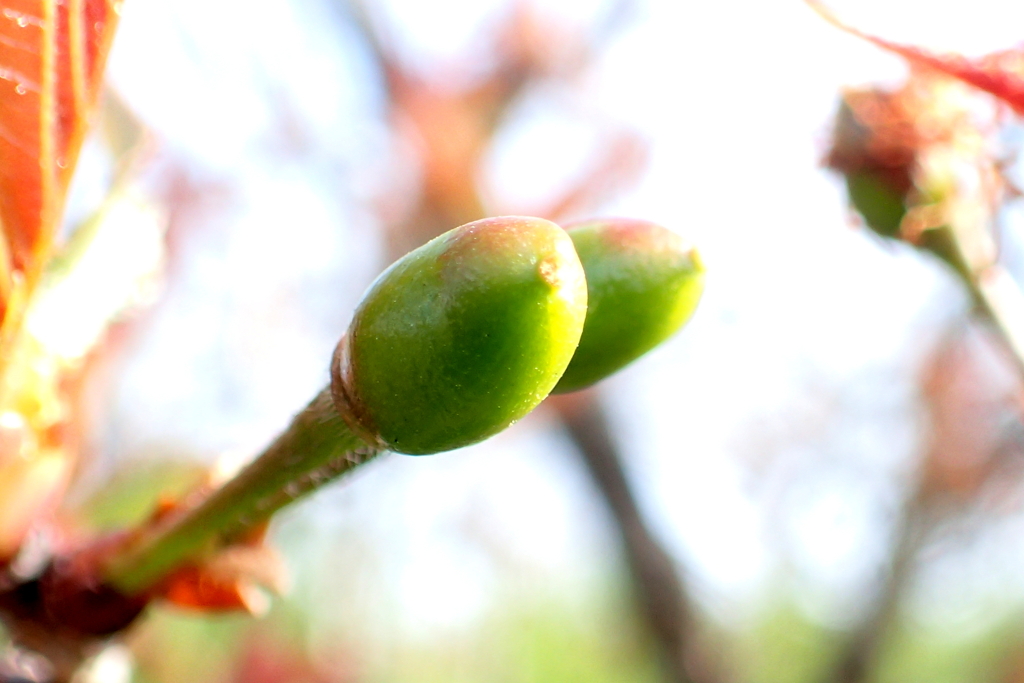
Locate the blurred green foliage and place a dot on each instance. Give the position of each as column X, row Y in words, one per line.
column 133, row 493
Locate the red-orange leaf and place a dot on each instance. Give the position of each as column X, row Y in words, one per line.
column 1000, row 74
column 51, row 61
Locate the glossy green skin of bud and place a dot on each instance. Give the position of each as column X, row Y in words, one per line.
column 644, row 282
column 463, row 336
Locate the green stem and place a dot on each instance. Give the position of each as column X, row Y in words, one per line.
column 1002, row 301
column 996, row 294
column 318, row 446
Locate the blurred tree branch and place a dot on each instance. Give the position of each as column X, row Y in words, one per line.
column 972, row 396
column 659, row 588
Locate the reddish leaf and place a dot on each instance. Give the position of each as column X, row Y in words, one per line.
column 228, row 581
column 52, row 54
column 194, row 588
column 1000, row 74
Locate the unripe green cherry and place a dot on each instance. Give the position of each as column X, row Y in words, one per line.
column 644, row 282
column 461, row 337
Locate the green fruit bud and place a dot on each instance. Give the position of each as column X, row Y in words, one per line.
column 879, row 204
column 462, row 337
column 643, row 283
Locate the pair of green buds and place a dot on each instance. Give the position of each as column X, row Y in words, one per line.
column 452, row 344
column 470, row 332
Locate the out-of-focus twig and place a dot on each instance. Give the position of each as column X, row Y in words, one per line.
column 861, row 653
column 659, row 587
column 974, row 445
column 618, row 165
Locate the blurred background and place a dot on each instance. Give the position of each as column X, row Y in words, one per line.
column 828, row 455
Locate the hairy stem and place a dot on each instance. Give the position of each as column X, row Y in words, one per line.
column 318, row 446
